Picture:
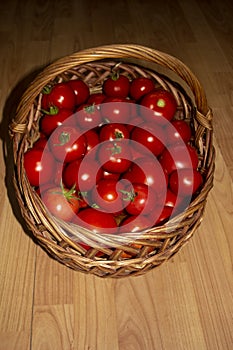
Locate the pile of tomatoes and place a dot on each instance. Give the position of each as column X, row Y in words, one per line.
column 113, row 161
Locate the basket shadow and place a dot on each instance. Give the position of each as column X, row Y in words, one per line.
column 9, row 111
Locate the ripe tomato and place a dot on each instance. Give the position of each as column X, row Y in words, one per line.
column 67, row 144
column 140, row 87
column 151, row 136
column 113, row 132
column 92, row 139
column 116, row 110
column 81, row 91
column 148, row 170
column 61, row 203
column 39, row 166
column 140, row 199
column 97, row 221
column 185, row 182
column 112, row 176
column 96, row 99
column 116, row 86
column 82, row 173
column 49, row 122
column 179, row 157
column 162, row 216
column 88, row 116
column 107, row 196
column 41, row 143
column 135, row 223
column 60, row 95
column 160, row 106
column 178, row 131
column 114, row 156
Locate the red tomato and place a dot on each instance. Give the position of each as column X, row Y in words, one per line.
column 96, row 99
column 116, row 86
column 160, row 106
column 185, row 182
column 113, row 131
column 140, row 199
column 39, row 166
column 67, row 144
column 148, row 170
column 116, row 110
column 61, row 95
column 162, row 216
column 140, row 87
column 135, row 223
column 61, row 203
column 92, row 139
column 97, row 221
column 178, row 131
column 81, row 91
column 88, row 116
column 114, row 156
column 41, row 143
column 82, row 173
column 49, row 122
column 112, row 176
column 151, row 136
column 107, row 195
column 179, row 157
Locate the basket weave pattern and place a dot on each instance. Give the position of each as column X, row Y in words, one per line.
column 157, row 244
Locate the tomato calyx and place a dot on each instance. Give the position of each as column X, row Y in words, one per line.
column 64, row 138
column 115, row 149
column 53, row 110
column 161, row 103
column 90, row 109
column 115, row 75
column 69, row 194
column 129, row 196
column 46, row 90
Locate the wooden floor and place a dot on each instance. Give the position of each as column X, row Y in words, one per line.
column 186, row 303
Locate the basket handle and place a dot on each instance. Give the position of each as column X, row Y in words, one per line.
column 110, row 51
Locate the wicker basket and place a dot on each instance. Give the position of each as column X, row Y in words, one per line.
column 157, row 244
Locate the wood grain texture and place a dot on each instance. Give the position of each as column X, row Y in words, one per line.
column 187, row 303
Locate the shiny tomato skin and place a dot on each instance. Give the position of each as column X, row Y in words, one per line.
column 140, row 86
column 114, row 156
column 92, row 139
column 116, row 86
column 96, row 99
column 83, row 176
column 185, row 182
column 60, row 206
column 149, row 135
column 96, row 221
column 61, row 96
column 148, row 171
column 116, row 110
column 88, row 116
column 163, row 216
column 179, row 157
column 48, row 123
column 139, row 198
column 113, row 131
column 67, row 143
column 107, row 196
column 135, row 223
column 41, row 143
column 178, row 131
column 158, row 105
column 39, row 166
column 81, row 91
